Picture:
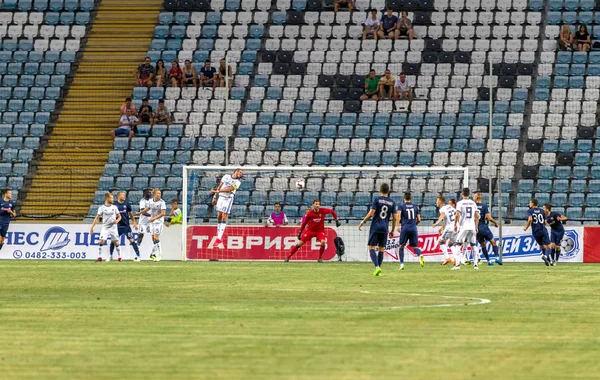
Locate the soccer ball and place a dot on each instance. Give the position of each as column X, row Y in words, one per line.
column 300, row 184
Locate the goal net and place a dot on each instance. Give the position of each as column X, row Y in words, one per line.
column 250, row 235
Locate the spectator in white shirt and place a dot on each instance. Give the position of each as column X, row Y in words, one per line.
column 371, row 25
column 402, row 89
column 127, row 125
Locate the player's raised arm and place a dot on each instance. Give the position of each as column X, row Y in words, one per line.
column 335, row 217
column 561, row 218
column 440, row 219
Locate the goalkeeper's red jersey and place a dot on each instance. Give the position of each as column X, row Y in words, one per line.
column 315, row 221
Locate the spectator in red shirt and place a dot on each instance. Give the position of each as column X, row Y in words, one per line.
column 175, row 74
column 144, row 74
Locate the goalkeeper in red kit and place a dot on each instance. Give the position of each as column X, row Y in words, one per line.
column 314, row 221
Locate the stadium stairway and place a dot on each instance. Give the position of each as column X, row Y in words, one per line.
column 78, row 146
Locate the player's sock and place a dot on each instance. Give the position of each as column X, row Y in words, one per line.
column 374, row 258
column 456, row 252
column 444, row 248
column 401, row 255
column 99, row 250
column 1, row 245
column 221, row 229
column 294, row 250
column 417, row 251
column 556, row 254
column 135, row 247
column 112, row 248
column 485, row 251
column 475, row 256
column 158, row 247
column 321, row 252
column 380, row 258
column 495, row 249
column 140, row 238
column 118, row 248
column 549, row 252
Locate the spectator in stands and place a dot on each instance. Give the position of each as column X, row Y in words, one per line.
column 127, row 105
column 145, row 113
column 582, row 38
column 402, row 89
column 386, row 85
column 405, row 27
column 189, row 74
column 175, row 216
column 371, row 87
column 347, row 3
column 162, row 114
column 225, row 72
column 565, row 38
column 161, row 73
column 208, row 75
column 175, row 74
column 277, row 218
column 388, row 28
column 145, row 73
column 371, row 25
column 127, row 125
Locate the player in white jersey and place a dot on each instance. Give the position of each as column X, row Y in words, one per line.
column 110, row 218
column 447, row 234
column 226, row 191
column 158, row 210
column 467, row 220
column 144, row 214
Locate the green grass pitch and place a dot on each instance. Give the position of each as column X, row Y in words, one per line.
column 224, row 320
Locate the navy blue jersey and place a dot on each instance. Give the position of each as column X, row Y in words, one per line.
column 483, row 211
column 537, row 220
column 124, row 210
column 408, row 215
column 554, row 222
column 384, row 208
column 4, row 207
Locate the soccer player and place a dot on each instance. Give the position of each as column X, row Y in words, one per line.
column 467, row 218
column 409, row 218
column 537, row 222
column 226, row 191
column 144, row 214
column 484, row 234
column 277, row 218
column 158, row 209
column 314, row 222
column 382, row 208
column 124, row 228
column 447, row 234
column 7, row 209
column 110, row 218
column 557, row 231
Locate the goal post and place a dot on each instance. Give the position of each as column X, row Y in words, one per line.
column 347, row 189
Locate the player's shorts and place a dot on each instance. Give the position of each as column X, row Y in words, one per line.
column 156, row 228
column 111, row 233
column 409, row 236
column 466, row 236
column 224, row 205
column 449, row 236
column 125, row 230
column 4, row 229
column 307, row 236
column 484, row 234
column 542, row 239
column 144, row 228
column 377, row 239
column 557, row 236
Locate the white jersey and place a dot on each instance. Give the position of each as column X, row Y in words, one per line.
column 143, row 204
column 155, row 209
column 449, row 214
column 228, row 181
column 109, row 215
column 468, row 209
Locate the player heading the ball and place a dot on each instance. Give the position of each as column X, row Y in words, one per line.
column 225, row 191
column 314, row 222
column 382, row 208
column 110, row 218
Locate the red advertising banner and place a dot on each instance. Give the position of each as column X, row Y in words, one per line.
column 591, row 245
column 253, row 243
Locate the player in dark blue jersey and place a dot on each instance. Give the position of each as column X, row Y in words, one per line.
column 7, row 209
column 484, row 234
column 537, row 220
column 409, row 217
column 382, row 209
column 124, row 226
column 557, row 231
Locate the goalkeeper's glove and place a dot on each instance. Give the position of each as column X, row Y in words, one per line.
column 338, row 223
